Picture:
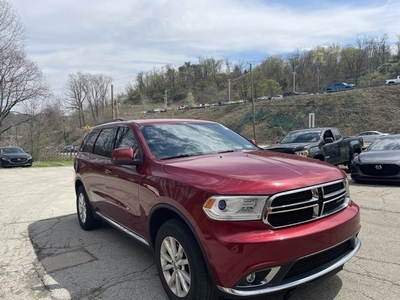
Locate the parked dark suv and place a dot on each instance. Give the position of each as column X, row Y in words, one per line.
column 221, row 214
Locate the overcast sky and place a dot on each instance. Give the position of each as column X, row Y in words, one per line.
column 121, row 38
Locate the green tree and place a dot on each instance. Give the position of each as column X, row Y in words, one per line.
column 190, row 99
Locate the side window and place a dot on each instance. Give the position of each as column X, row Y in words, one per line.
column 336, row 133
column 328, row 134
column 105, row 142
column 126, row 139
column 88, row 142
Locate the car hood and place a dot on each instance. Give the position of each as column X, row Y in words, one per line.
column 255, row 172
column 381, row 157
column 299, row 146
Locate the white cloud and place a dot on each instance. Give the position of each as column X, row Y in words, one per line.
column 123, row 37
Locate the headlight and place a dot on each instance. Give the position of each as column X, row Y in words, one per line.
column 302, row 153
column 234, row 208
column 355, row 160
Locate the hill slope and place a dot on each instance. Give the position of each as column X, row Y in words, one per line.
column 353, row 111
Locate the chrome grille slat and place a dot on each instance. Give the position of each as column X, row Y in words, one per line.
column 305, row 205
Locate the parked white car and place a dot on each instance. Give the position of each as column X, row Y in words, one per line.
column 277, row 97
column 370, row 136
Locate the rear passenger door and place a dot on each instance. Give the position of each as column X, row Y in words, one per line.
column 101, row 158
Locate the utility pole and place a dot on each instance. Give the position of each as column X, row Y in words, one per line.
column 294, row 82
column 112, row 103
column 229, row 90
column 166, row 99
column 252, row 103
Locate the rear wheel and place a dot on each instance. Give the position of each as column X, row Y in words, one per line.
column 180, row 264
column 85, row 212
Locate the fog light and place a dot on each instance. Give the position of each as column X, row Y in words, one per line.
column 251, row 277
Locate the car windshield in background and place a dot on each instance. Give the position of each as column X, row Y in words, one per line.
column 12, row 150
column 168, row 141
column 385, row 144
column 301, row 137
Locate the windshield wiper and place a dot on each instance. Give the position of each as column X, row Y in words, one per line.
column 226, row 151
column 181, row 155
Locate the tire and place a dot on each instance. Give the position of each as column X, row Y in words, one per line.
column 349, row 162
column 181, row 265
column 85, row 212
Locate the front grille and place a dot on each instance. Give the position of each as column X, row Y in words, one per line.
column 378, row 170
column 305, row 205
column 312, row 262
column 18, row 160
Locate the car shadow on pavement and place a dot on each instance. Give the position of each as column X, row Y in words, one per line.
column 98, row 264
column 107, row 264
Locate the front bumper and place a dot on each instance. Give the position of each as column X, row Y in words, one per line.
column 14, row 162
column 279, row 259
column 369, row 173
column 290, row 282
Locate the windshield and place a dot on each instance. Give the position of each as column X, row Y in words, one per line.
column 187, row 139
column 384, row 144
column 11, row 150
column 301, row 137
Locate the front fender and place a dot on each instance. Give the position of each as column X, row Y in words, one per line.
column 316, row 152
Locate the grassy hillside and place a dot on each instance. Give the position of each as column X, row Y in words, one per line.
column 352, row 111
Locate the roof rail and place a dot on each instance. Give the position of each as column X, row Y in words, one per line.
column 111, row 121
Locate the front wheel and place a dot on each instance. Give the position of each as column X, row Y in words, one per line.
column 180, row 264
column 85, row 212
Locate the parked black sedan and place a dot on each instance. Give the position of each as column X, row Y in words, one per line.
column 14, row 157
column 379, row 162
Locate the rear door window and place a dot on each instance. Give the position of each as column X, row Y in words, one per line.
column 105, row 142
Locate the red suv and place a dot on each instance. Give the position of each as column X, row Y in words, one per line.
column 221, row 214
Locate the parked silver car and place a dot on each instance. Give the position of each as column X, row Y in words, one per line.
column 370, row 136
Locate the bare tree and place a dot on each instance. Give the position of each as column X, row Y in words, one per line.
column 20, row 78
column 75, row 95
column 98, row 91
column 90, row 91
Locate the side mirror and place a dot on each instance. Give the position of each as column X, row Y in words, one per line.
column 124, row 156
column 328, row 140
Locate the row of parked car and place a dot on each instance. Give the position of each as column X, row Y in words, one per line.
column 371, row 156
column 378, row 160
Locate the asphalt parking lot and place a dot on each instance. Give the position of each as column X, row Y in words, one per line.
column 45, row 255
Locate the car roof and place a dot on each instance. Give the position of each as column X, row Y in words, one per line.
column 375, row 131
column 156, row 121
column 313, row 129
column 10, row 147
